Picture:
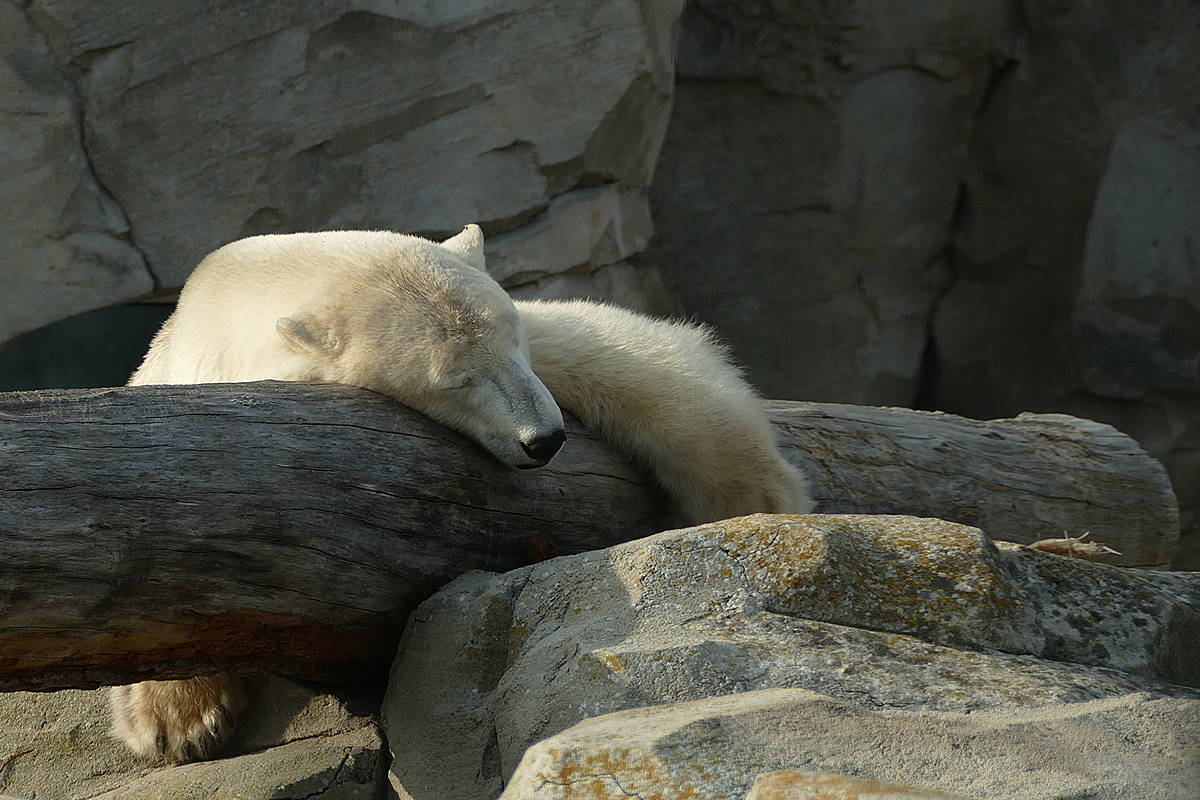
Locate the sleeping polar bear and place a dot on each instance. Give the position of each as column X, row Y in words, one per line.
column 423, row 323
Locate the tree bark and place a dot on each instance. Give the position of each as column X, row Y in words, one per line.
column 1038, row 476
column 165, row 531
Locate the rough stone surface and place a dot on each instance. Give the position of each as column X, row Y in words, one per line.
column 790, row 784
column 65, row 239
column 983, row 208
column 347, row 766
column 1138, row 308
column 808, row 179
column 295, row 743
column 886, row 612
column 1073, row 238
column 57, row 746
column 1137, row 747
column 360, row 113
column 132, row 142
column 1074, row 289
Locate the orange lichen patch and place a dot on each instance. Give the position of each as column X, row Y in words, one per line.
column 488, row 649
column 611, row 772
column 801, row 785
column 598, row 664
column 926, row 577
column 518, row 634
column 614, row 662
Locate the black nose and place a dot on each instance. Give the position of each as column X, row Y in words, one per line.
column 543, row 448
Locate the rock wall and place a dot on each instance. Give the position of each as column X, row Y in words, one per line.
column 66, row 241
column 810, row 174
column 985, row 208
column 1077, row 277
column 148, row 135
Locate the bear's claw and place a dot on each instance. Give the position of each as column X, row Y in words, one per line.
column 178, row 721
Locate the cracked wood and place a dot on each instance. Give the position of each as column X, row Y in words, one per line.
column 162, row 531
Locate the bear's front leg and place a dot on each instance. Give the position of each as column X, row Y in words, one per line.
column 177, row 720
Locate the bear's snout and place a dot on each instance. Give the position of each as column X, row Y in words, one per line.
column 543, row 448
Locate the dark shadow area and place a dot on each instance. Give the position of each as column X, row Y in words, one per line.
column 99, row 348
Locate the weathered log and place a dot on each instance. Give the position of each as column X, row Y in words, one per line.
column 173, row 530
column 163, row 530
column 1038, row 476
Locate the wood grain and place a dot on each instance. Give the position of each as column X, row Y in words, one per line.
column 1038, row 476
column 174, row 530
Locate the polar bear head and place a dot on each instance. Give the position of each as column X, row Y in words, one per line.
column 423, row 323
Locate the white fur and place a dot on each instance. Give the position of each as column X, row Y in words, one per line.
column 396, row 314
column 177, row 720
column 422, row 323
column 667, row 394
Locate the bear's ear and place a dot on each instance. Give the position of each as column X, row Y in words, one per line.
column 468, row 246
column 306, row 334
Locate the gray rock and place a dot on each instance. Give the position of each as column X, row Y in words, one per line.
column 294, row 743
column 886, row 612
column 809, row 177
column 1136, row 747
column 1137, row 314
column 56, row 745
column 580, row 232
column 363, row 113
column 580, row 248
column 790, row 784
column 1072, row 290
column 347, row 766
column 66, row 247
column 1069, row 184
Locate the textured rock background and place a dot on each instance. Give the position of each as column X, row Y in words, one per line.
column 809, row 178
column 984, row 207
column 67, row 247
column 144, row 135
column 883, row 613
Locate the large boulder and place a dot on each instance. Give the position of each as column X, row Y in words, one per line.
column 767, row 744
column 883, row 612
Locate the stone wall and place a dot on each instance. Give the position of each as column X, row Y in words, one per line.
column 143, row 135
column 984, row 207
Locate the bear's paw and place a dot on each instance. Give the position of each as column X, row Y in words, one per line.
column 178, row 721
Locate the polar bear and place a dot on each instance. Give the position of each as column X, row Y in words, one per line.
column 423, row 323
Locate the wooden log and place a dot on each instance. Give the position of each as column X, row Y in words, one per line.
column 168, row 530
column 165, row 531
column 1038, row 476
